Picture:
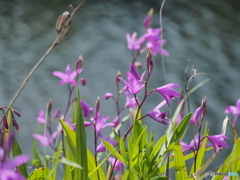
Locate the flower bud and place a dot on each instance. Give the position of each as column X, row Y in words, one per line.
column 83, row 81
column 149, row 62
column 138, row 65
column 5, row 123
column 117, row 76
column 79, row 63
column 204, row 106
column 15, row 125
column 98, row 104
column 49, row 106
column 56, row 113
column 149, row 57
column 16, row 112
column 108, row 95
column 148, row 20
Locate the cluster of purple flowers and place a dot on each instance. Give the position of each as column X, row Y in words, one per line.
column 133, row 85
column 151, row 37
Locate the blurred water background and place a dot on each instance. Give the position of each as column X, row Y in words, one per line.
column 206, row 32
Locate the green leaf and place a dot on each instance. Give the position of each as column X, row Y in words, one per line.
column 56, row 157
column 180, row 130
column 122, row 148
column 81, row 144
column 159, row 178
column 235, row 167
column 113, row 151
column 137, row 129
column 40, row 174
column 68, row 155
column 92, row 167
column 158, row 146
column 16, row 150
column 70, row 135
column 70, row 163
column 180, row 165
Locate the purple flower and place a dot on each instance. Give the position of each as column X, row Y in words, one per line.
column 154, row 42
column 68, row 77
column 100, row 123
column 7, row 167
column 235, row 110
column 102, row 148
column 133, row 42
column 41, row 117
column 134, row 84
column 118, row 164
column 116, row 121
column 218, row 141
column 130, row 102
column 87, row 110
column 158, row 116
column 168, row 93
column 193, row 144
column 46, row 140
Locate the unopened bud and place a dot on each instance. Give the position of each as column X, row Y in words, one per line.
column 149, row 56
column 83, row 81
column 204, row 106
column 149, row 61
column 108, row 95
column 138, row 65
column 56, row 113
column 119, row 74
column 79, row 63
column 16, row 112
column 204, row 102
column 49, row 106
column 98, row 104
column 15, row 125
column 5, row 123
column 148, row 20
column 150, row 67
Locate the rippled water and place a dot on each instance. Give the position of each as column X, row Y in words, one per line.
column 205, row 32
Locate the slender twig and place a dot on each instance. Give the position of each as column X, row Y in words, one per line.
column 56, row 42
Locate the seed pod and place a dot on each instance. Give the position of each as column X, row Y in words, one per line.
column 64, row 24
